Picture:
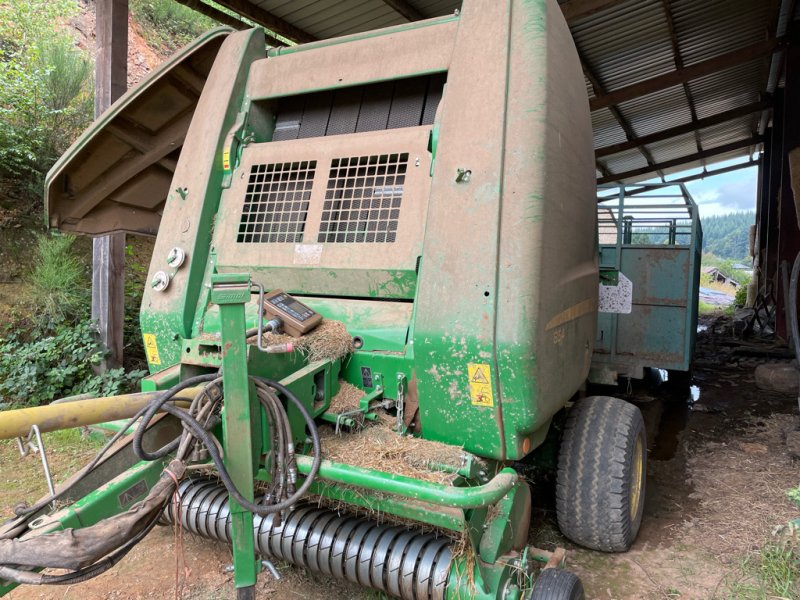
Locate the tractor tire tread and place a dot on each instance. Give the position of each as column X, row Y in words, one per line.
column 592, row 487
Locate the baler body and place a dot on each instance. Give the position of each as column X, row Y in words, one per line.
column 439, row 201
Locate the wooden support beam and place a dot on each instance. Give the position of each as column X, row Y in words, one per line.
column 678, row 76
column 578, row 9
column 268, row 20
column 753, row 141
column 108, row 252
column 405, row 9
column 683, row 129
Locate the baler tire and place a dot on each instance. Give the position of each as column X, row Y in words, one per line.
column 557, row 584
column 602, row 467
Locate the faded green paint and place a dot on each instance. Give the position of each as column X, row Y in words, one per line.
column 281, row 51
column 241, row 419
column 101, row 503
column 494, row 260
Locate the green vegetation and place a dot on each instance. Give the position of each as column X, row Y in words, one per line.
column 772, row 572
column 727, row 236
column 55, row 352
column 46, row 90
column 59, row 279
column 167, row 24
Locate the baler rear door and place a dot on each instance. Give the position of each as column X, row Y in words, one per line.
column 116, row 176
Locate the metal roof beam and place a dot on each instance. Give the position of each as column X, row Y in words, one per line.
column 683, row 129
column 577, row 9
column 678, row 58
column 683, row 160
column 214, row 13
column 695, row 177
column 225, row 18
column 405, row 9
column 599, row 89
column 268, row 20
column 679, row 76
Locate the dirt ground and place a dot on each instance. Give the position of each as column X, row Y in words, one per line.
column 718, row 471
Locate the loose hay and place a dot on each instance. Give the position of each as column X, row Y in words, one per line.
column 330, row 340
column 378, row 447
column 347, row 399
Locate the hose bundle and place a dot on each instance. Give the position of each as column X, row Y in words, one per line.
column 90, row 551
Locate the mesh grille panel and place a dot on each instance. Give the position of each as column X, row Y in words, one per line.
column 276, row 202
column 362, row 200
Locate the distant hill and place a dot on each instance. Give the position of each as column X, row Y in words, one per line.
column 726, row 236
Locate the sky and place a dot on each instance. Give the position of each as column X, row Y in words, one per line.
column 723, row 194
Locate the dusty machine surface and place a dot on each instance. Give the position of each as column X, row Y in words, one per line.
column 423, row 225
column 650, row 248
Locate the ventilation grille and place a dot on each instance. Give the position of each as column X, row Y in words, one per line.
column 276, row 202
column 362, row 201
column 375, row 107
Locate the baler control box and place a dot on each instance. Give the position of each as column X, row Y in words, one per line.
column 297, row 318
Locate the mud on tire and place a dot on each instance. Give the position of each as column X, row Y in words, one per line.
column 602, row 468
column 555, row 584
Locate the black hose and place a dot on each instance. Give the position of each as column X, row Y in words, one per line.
column 199, row 432
column 153, row 408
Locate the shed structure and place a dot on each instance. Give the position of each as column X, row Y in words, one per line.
column 673, row 85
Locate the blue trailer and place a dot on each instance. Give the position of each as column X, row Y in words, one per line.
column 650, row 242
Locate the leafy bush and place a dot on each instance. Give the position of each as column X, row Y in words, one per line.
column 60, row 280
column 42, row 368
column 46, row 89
column 740, row 299
column 169, row 24
column 55, row 353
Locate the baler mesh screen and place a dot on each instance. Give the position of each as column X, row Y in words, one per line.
column 362, row 200
column 276, row 202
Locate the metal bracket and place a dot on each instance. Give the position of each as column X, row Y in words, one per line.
column 29, row 445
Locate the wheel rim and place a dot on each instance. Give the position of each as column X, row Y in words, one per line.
column 637, row 473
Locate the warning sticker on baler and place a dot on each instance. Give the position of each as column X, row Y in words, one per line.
column 480, row 384
column 151, row 349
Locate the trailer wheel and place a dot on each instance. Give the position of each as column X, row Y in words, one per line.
column 556, row 584
column 602, row 468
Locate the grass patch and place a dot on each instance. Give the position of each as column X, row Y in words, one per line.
column 769, row 573
column 22, row 477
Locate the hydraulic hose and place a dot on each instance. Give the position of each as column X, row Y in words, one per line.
column 198, row 431
column 157, row 405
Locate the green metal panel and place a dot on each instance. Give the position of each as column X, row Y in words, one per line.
column 658, row 240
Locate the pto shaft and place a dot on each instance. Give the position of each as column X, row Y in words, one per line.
column 17, row 423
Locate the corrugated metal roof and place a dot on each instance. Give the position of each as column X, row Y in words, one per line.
column 333, row 18
column 621, row 43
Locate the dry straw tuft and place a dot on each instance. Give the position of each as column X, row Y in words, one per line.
column 378, row 447
column 329, row 341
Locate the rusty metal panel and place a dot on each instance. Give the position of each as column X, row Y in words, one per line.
column 654, row 240
column 659, row 274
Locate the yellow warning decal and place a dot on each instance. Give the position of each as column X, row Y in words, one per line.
column 226, row 158
column 480, row 384
column 151, row 348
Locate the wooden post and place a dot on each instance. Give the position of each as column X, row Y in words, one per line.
column 108, row 252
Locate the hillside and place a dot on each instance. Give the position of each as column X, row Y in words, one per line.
column 727, row 236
